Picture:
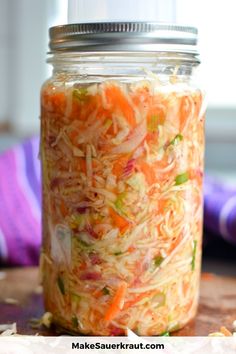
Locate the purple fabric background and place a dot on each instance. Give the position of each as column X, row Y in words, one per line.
column 20, row 206
column 220, row 208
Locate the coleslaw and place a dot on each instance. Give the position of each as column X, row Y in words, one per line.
column 122, row 204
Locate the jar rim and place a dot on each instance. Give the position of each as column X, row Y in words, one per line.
column 123, row 37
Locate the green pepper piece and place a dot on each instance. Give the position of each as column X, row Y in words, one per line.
column 74, row 321
column 118, row 253
column 158, row 260
column 61, row 285
column 83, row 244
column 182, row 178
column 194, row 254
column 106, row 291
column 75, row 298
column 176, row 139
column 80, row 94
column 165, row 334
column 119, row 203
column 154, row 122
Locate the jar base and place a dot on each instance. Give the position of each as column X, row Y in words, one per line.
column 62, row 329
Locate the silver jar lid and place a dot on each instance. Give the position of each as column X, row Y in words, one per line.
column 123, row 37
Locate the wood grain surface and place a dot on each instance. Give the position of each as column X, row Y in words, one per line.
column 217, row 303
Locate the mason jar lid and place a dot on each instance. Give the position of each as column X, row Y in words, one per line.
column 123, row 37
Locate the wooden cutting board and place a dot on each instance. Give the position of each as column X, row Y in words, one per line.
column 217, row 303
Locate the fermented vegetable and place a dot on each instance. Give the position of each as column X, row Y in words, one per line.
column 122, row 196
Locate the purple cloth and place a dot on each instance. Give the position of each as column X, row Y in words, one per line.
column 20, row 206
column 220, row 209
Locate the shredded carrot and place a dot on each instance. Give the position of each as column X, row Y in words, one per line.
column 208, row 276
column 63, row 208
column 131, row 249
column 119, row 221
column 155, row 117
column 83, row 265
column 162, row 205
column 185, row 287
column 82, row 109
column 83, row 165
column 58, row 98
column 148, row 171
column 188, row 306
column 119, row 165
column 137, row 299
column 118, row 102
column 103, row 114
column 196, row 174
column 75, row 110
column 151, row 137
column 97, row 293
column 117, row 302
column 142, row 97
column 96, row 163
column 73, row 135
column 58, row 101
column 225, row 331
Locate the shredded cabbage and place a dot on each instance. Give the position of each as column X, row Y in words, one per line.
column 122, row 182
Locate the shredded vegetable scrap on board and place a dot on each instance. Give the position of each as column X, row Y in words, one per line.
column 2, row 275
column 8, row 329
column 224, row 332
column 11, row 301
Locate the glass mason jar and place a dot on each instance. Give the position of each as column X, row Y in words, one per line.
column 122, row 146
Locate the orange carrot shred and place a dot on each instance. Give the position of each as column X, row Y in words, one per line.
column 119, row 165
column 117, row 100
column 148, row 171
column 63, row 208
column 207, row 276
column 137, row 299
column 225, row 331
column 83, row 165
column 119, row 221
column 117, row 302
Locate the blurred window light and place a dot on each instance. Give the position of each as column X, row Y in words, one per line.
column 217, row 32
column 57, row 11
